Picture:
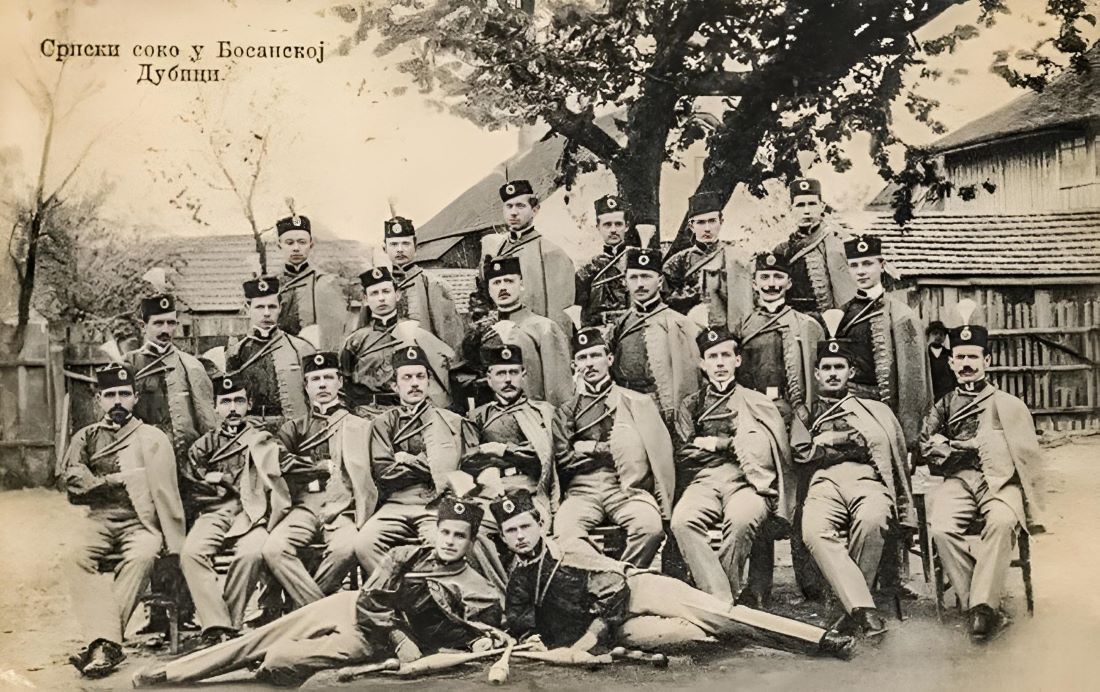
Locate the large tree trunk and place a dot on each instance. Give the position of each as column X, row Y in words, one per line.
column 26, row 282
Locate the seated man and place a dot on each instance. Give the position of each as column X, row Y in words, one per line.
column 614, row 457
column 734, row 459
column 124, row 471
column 573, row 598
column 982, row 441
column 232, row 478
column 419, row 600
column 513, row 433
column 326, row 468
column 856, row 452
column 412, row 448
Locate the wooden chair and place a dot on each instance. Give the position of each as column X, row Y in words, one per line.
column 1022, row 561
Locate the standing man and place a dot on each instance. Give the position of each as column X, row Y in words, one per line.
column 777, row 341
column 819, row 271
column 234, row 481
column 982, row 441
column 328, row 472
column 174, row 392
column 601, row 282
column 544, row 345
column 614, row 457
column 513, row 434
column 123, row 470
column 549, row 273
column 654, row 346
column 888, row 350
column 422, row 598
column 572, row 598
column 734, row 458
column 705, row 274
column 422, row 297
column 367, row 354
column 855, row 450
column 939, row 360
column 412, row 448
column 268, row 360
column 306, row 296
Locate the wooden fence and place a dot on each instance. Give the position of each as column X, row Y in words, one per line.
column 1045, row 345
column 32, row 394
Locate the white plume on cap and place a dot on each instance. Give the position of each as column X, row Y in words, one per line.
column 290, row 206
column 157, row 277
column 312, row 334
column 217, row 357
column 504, row 329
column 111, row 349
column 405, row 332
column 393, row 206
column 573, row 312
column 646, row 232
column 832, row 319
column 966, row 308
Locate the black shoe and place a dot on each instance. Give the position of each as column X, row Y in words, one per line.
column 869, row 622
column 103, row 657
column 836, row 645
column 985, row 623
column 217, row 635
column 149, row 677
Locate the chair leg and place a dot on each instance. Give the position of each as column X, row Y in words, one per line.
column 937, row 577
column 1025, row 569
column 173, row 613
column 923, row 537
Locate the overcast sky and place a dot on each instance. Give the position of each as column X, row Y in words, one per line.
column 344, row 139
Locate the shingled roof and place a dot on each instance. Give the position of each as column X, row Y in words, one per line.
column 1069, row 100
column 1052, row 245
column 215, row 266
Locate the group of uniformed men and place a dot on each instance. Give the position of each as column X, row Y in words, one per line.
column 698, row 396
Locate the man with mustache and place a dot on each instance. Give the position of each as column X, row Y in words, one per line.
column 327, row 470
column 548, row 271
column 513, row 434
column 306, row 296
column 888, row 350
column 174, row 392
column 544, row 345
column 124, row 472
column 734, row 464
column 777, row 357
column 703, row 273
column 855, row 451
column 421, row 599
column 601, row 282
column 613, row 455
column 367, row 353
column 818, row 267
column 571, row 596
column 233, row 479
column 654, row 345
column 982, row 441
column 421, row 297
column 412, row 449
column 268, row 360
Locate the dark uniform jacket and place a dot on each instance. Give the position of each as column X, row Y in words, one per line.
column 601, row 286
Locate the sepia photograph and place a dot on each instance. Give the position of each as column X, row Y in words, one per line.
column 552, row 344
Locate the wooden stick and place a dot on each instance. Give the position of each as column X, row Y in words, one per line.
column 354, row 672
column 498, row 673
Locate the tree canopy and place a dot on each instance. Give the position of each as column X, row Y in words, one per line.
column 791, row 75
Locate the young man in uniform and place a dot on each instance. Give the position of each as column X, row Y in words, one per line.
column 702, row 274
column 982, row 441
column 859, row 487
column 420, row 599
column 421, row 297
column 613, row 455
column 573, row 597
column 308, row 297
column 233, row 480
column 601, row 282
column 268, row 360
column 124, row 471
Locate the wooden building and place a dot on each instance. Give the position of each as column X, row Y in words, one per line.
column 1028, row 252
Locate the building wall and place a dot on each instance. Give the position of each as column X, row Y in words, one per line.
column 1054, row 172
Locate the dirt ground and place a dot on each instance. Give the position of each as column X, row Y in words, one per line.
column 1055, row 650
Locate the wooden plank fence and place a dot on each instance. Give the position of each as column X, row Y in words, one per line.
column 1045, row 345
column 31, row 394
